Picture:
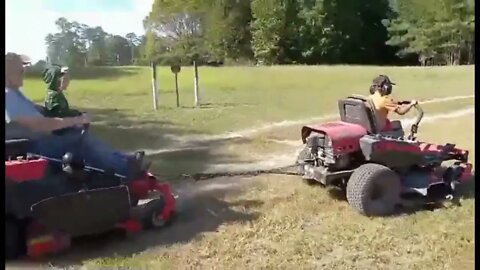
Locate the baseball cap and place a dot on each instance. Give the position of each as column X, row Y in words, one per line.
column 11, row 56
column 381, row 80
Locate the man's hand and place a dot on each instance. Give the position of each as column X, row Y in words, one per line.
column 85, row 119
column 405, row 108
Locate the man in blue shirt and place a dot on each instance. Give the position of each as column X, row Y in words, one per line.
column 23, row 120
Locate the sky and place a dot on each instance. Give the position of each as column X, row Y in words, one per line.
column 28, row 22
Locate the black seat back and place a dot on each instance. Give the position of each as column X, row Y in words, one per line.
column 356, row 110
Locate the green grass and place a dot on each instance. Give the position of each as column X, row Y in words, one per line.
column 239, row 97
column 276, row 222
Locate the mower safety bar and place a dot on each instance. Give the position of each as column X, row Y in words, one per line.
column 414, row 128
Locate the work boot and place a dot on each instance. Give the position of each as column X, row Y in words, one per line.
column 138, row 167
column 144, row 164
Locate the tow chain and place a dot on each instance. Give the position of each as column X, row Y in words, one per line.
column 206, row 176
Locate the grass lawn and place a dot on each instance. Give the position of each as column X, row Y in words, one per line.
column 241, row 97
column 272, row 222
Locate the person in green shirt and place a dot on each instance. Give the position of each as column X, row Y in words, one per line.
column 56, row 104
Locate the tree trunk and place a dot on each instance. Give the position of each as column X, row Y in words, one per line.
column 459, row 56
column 471, row 54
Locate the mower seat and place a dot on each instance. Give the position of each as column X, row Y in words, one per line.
column 16, row 147
column 356, row 110
column 366, row 116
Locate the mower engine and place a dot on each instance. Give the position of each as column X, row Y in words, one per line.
column 322, row 154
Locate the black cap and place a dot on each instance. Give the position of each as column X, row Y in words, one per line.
column 381, row 80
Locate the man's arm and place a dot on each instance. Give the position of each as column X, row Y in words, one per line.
column 22, row 111
column 399, row 109
column 46, row 124
column 403, row 109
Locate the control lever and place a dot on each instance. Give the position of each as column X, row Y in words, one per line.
column 414, row 128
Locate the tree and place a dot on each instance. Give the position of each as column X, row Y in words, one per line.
column 133, row 42
column 179, row 25
column 118, row 50
column 269, row 19
column 434, row 30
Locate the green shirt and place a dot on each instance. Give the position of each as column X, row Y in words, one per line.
column 56, row 105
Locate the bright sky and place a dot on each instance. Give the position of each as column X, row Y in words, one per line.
column 27, row 22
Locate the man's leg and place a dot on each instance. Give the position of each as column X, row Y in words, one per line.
column 105, row 157
column 98, row 154
column 94, row 152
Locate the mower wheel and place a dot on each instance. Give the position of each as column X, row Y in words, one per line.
column 12, row 239
column 153, row 209
column 374, row 190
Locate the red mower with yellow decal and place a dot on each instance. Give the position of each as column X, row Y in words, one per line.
column 379, row 170
column 48, row 202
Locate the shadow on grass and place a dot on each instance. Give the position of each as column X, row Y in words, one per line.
column 197, row 213
column 209, row 105
column 157, row 138
column 127, row 133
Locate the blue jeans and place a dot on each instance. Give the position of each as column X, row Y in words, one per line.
column 94, row 152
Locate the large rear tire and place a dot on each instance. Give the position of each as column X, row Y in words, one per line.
column 374, row 190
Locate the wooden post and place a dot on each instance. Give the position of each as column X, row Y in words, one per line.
column 154, row 86
column 176, row 90
column 197, row 97
column 175, row 70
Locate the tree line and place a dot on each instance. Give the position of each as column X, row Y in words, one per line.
column 380, row 32
column 77, row 44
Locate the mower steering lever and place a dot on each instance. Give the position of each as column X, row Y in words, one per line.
column 414, row 128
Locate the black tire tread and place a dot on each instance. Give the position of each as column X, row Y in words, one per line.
column 360, row 182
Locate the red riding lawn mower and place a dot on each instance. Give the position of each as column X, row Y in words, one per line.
column 379, row 170
column 48, row 202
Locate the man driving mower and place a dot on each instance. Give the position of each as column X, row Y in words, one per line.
column 380, row 92
column 22, row 117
